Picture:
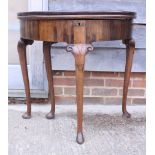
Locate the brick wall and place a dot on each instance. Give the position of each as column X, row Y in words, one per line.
column 100, row 88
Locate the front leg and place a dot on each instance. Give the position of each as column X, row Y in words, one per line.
column 22, row 43
column 48, row 66
column 130, row 47
column 79, row 51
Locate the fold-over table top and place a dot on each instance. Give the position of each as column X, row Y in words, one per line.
column 77, row 15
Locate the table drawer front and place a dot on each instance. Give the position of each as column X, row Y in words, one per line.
column 64, row 30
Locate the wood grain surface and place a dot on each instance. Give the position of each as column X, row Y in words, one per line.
column 59, row 26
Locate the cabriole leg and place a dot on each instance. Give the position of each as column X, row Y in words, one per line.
column 130, row 47
column 79, row 51
column 22, row 43
column 48, row 66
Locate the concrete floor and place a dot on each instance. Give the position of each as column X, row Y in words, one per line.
column 105, row 131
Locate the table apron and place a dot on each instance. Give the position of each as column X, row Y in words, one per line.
column 65, row 30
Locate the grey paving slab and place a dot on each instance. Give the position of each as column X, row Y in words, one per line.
column 105, row 131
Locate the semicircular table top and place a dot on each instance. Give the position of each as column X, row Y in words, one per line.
column 78, row 15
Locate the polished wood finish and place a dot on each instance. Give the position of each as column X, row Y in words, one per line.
column 48, row 66
column 22, row 43
column 62, row 30
column 79, row 30
column 79, row 52
column 48, row 26
column 77, row 15
column 130, row 47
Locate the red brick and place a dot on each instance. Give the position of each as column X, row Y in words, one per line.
column 65, row 99
column 134, row 92
column 135, row 75
column 138, row 75
column 64, row 81
column 104, row 92
column 58, row 90
column 114, row 82
column 87, row 74
column 139, row 101
column 116, row 100
column 72, row 73
column 139, row 83
column 94, row 82
column 72, row 91
column 104, row 74
column 69, row 73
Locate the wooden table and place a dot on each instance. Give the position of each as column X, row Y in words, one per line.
column 79, row 30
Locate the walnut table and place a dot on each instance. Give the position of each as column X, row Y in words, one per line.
column 79, row 30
